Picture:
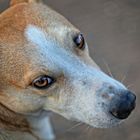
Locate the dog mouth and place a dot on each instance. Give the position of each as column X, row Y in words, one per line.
column 114, row 117
column 108, row 122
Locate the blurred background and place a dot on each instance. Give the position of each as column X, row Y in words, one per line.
column 112, row 30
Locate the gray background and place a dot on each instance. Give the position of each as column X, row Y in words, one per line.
column 112, row 30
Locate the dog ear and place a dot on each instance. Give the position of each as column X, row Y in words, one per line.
column 14, row 2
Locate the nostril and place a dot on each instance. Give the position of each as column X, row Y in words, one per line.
column 131, row 96
column 120, row 114
column 122, row 110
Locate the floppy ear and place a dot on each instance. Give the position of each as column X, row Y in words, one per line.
column 14, row 2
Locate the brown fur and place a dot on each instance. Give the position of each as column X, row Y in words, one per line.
column 14, row 2
column 12, row 121
column 11, row 35
column 13, row 73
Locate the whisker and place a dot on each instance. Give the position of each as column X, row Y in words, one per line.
column 108, row 69
column 88, row 130
column 76, row 125
column 123, row 78
column 130, row 85
column 86, row 127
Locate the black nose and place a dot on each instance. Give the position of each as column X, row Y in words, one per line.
column 122, row 107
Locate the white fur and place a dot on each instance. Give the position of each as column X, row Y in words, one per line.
column 41, row 126
column 68, row 62
column 79, row 98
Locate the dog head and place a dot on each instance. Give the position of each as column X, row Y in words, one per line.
column 45, row 65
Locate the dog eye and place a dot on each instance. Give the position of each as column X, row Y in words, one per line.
column 42, row 82
column 79, row 41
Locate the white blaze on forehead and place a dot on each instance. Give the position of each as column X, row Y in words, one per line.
column 59, row 58
column 54, row 53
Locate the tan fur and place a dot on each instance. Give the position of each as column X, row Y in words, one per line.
column 12, row 30
column 14, row 2
column 12, row 25
column 11, row 36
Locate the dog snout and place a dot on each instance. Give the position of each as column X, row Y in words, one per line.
column 123, row 106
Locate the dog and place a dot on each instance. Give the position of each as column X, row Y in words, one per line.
column 45, row 66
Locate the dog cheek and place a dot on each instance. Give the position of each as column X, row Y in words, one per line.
column 60, row 100
column 22, row 102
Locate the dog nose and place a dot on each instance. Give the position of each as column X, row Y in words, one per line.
column 124, row 105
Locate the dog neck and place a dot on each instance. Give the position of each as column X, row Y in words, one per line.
column 13, row 125
column 41, row 126
column 12, row 121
